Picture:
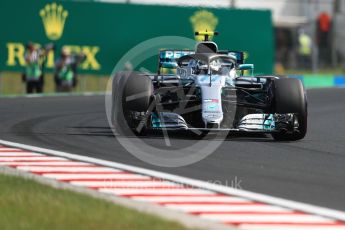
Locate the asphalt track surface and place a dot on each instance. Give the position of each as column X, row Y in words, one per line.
column 310, row 171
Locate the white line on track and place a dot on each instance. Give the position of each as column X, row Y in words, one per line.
column 276, row 218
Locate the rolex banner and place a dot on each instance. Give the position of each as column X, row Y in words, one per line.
column 104, row 32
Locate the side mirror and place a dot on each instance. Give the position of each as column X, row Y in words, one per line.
column 169, row 65
column 248, row 67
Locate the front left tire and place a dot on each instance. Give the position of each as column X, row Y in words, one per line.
column 290, row 97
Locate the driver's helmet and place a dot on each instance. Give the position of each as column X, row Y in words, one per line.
column 201, row 67
column 197, row 66
column 215, row 65
column 192, row 64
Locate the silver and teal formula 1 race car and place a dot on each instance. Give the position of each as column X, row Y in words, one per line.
column 209, row 90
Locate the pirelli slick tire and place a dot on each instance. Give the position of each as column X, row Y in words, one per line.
column 131, row 92
column 137, row 93
column 290, row 97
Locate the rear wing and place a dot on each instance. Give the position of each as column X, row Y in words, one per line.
column 168, row 58
column 238, row 54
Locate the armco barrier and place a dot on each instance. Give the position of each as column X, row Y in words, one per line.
column 321, row 81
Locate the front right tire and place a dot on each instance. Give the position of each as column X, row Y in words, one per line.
column 131, row 92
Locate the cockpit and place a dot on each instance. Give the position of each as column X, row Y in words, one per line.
column 206, row 64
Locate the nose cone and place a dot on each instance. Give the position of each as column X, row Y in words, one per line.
column 212, row 110
column 210, row 118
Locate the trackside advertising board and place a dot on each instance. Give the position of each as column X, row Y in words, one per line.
column 104, row 32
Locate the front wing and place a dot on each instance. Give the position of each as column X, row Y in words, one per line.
column 262, row 123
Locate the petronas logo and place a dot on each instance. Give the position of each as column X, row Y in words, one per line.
column 54, row 18
column 203, row 20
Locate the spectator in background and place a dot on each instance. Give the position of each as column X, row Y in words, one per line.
column 304, row 49
column 34, row 69
column 66, row 70
column 324, row 26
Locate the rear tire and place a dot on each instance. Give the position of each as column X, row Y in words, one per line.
column 289, row 97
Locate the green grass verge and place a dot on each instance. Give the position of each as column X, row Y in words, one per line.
column 26, row 204
column 11, row 83
column 316, row 81
column 326, row 71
